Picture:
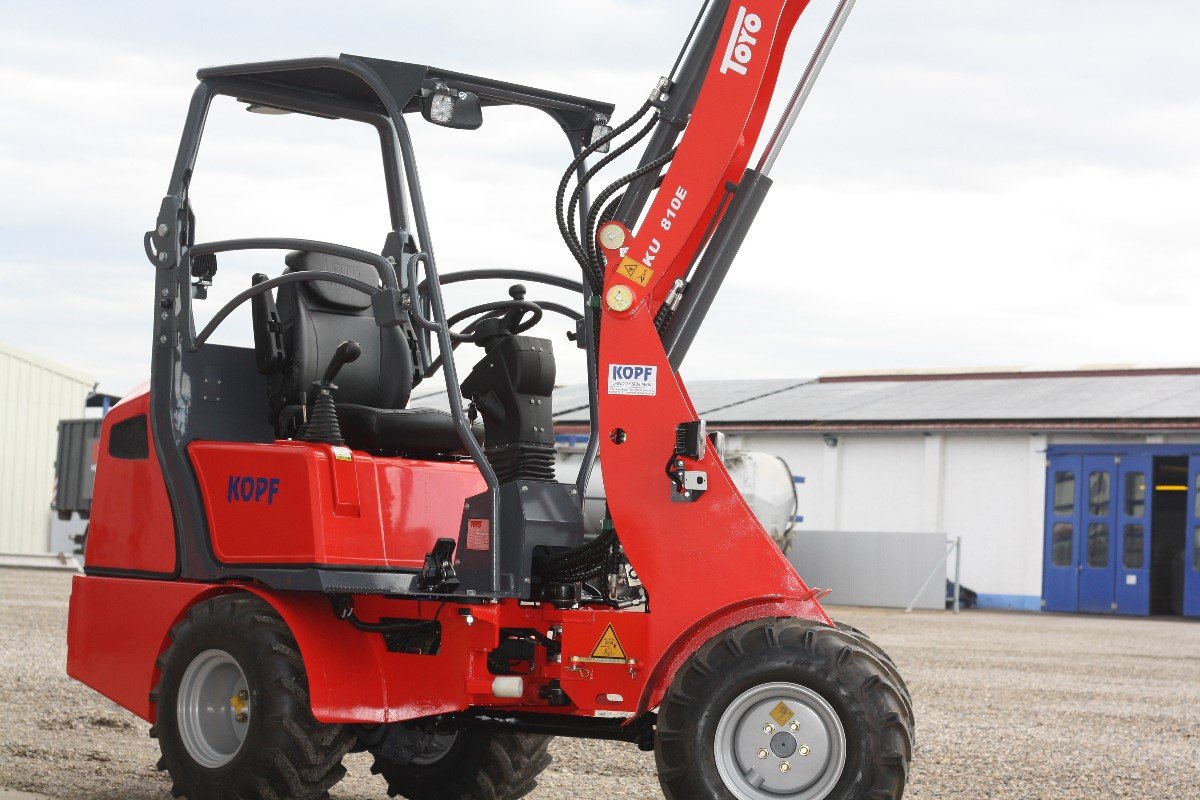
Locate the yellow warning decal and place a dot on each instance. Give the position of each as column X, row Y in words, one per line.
column 781, row 713
column 609, row 646
column 635, row 270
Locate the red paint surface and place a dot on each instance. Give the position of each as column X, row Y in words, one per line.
column 131, row 526
column 382, row 512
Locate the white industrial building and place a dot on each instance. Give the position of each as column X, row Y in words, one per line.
column 35, row 394
column 1071, row 491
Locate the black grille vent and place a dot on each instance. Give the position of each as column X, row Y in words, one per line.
column 129, row 439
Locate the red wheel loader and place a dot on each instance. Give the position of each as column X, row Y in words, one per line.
column 288, row 563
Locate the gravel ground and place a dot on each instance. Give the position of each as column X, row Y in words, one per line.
column 1008, row 706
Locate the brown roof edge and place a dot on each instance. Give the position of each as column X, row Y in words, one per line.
column 1132, row 372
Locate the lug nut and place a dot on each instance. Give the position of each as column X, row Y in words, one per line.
column 803, row 750
column 794, row 727
column 768, row 728
column 784, row 767
column 762, row 752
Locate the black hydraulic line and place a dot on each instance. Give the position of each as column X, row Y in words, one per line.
column 713, row 266
column 677, row 110
column 602, row 198
column 601, row 164
column 574, row 170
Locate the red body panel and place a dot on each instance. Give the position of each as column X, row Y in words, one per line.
column 299, row 503
column 131, row 526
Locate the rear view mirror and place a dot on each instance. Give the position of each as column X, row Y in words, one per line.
column 452, row 108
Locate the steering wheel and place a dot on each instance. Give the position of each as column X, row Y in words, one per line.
column 488, row 311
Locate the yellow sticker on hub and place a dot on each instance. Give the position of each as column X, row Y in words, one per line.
column 635, row 270
column 781, row 713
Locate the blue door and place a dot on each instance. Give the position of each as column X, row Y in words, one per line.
column 1060, row 576
column 1097, row 535
column 1132, row 591
column 1191, row 549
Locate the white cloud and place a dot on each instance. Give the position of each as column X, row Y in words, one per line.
column 971, row 184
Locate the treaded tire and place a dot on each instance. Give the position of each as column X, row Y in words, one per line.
column 888, row 665
column 830, row 662
column 286, row 754
column 478, row 766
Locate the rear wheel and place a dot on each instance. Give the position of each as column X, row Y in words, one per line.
column 469, row 765
column 783, row 709
column 234, row 721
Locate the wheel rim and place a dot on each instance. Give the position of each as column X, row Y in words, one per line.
column 436, row 748
column 780, row 740
column 213, row 708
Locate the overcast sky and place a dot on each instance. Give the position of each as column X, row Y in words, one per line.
column 972, row 184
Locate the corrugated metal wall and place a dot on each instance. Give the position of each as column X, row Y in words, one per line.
column 34, row 396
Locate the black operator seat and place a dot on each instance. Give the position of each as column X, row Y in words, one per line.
column 314, row 317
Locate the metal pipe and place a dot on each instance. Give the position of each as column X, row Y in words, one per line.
column 714, row 265
column 804, row 87
column 465, row 434
column 940, row 565
column 957, row 573
column 591, row 345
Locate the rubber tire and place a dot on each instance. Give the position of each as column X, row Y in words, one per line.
column 287, row 754
column 478, row 766
column 824, row 659
column 888, row 665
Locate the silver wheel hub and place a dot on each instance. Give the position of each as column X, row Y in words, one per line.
column 212, row 709
column 780, row 741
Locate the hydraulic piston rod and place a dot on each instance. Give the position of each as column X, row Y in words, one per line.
column 804, row 87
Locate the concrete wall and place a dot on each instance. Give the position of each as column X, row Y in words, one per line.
column 34, row 396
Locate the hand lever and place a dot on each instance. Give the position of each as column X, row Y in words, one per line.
column 512, row 319
column 347, row 352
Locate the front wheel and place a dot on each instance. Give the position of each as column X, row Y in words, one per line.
column 783, row 709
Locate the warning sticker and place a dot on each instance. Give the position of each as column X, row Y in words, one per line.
column 635, row 270
column 479, row 534
column 609, row 646
column 342, row 453
column 781, row 713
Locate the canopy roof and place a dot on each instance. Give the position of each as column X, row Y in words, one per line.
column 356, row 84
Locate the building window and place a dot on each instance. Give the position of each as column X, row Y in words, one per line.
column 1064, row 493
column 1097, row 544
column 1062, row 544
column 1135, row 494
column 1135, row 547
column 1099, row 494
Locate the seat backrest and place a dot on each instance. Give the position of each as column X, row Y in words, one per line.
column 317, row 316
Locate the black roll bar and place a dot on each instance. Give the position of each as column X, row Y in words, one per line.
column 465, row 434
